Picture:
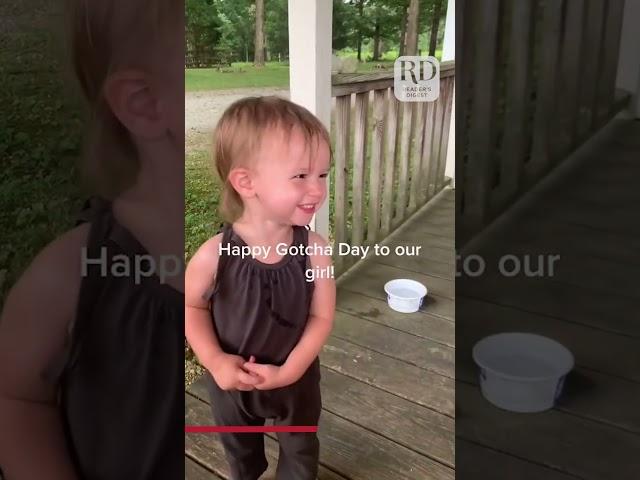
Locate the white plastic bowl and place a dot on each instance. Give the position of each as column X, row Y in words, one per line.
column 522, row 372
column 404, row 295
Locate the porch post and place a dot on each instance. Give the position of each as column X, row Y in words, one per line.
column 629, row 62
column 310, row 70
column 448, row 53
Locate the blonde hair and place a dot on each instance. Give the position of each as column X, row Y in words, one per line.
column 239, row 134
column 107, row 35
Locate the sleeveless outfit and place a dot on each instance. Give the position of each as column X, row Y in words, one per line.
column 262, row 309
column 122, row 385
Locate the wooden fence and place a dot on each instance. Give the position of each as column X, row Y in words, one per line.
column 537, row 79
column 389, row 155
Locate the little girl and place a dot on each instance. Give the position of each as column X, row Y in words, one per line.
column 255, row 323
column 91, row 376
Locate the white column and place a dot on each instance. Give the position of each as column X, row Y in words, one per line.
column 629, row 60
column 449, row 53
column 449, row 47
column 310, row 70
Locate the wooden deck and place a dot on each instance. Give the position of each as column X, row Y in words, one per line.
column 590, row 217
column 387, row 378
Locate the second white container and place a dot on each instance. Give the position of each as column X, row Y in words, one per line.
column 522, row 372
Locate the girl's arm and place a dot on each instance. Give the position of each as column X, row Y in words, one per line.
column 33, row 329
column 320, row 322
column 199, row 281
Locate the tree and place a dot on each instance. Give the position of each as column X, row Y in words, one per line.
column 202, row 32
column 403, row 28
column 385, row 16
column 344, row 24
column 435, row 23
column 412, row 28
column 237, row 20
column 361, row 27
column 277, row 28
column 258, row 52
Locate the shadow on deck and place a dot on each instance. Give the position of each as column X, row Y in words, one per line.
column 387, row 378
column 588, row 216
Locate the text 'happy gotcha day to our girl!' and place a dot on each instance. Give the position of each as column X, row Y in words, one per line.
column 342, row 249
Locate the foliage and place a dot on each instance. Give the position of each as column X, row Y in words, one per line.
column 203, row 22
column 230, row 25
column 237, row 26
column 277, row 28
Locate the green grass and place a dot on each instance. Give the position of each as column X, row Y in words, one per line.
column 274, row 74
column 239, row 75
column 202, row 196
column 40, row 130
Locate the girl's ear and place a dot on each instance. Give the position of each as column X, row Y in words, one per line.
column 132, row 99
column 241, row 180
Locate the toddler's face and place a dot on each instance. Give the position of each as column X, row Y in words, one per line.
column 291, row 178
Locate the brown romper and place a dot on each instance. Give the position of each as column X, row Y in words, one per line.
column 262, row 309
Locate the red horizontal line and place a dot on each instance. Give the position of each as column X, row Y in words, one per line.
column 250, row 428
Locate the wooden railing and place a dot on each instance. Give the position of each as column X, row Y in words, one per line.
column 537, row 79
column 389, row 156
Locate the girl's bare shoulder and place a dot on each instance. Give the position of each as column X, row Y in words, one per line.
column 38, row 311
column 201, row 271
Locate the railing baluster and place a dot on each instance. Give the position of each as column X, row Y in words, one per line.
column 591, row 43
column 436, row 144
column 359, row 158
column 343, row 131
column 389, row 162
column 427, row 151
column 546, row 93
column 377, row 151
column 416, row 155
column 448, row 84
column 405, row 151
column 480, row 167
column 609, row 67
column 569, row 81
column 519, row 74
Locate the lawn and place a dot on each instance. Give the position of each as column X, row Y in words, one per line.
column 40, row 130
column 239, row 75
column 273, row 74
column 202, row 196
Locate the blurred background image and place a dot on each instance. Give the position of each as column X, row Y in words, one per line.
column 547, row 167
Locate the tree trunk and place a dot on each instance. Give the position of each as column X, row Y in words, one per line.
column 258, row 56
column 403, row 32
column 435, row 24
column 376, row 42
column 361, row 14
column 412, row 28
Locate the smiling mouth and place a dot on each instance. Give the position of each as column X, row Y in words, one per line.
column 308, row 208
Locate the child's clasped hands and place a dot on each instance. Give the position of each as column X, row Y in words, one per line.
column 233, row 372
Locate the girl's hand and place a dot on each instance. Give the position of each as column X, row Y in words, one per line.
column 272, row 376
column 229, row 374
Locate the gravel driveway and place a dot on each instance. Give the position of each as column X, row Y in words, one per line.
column 203, row 109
